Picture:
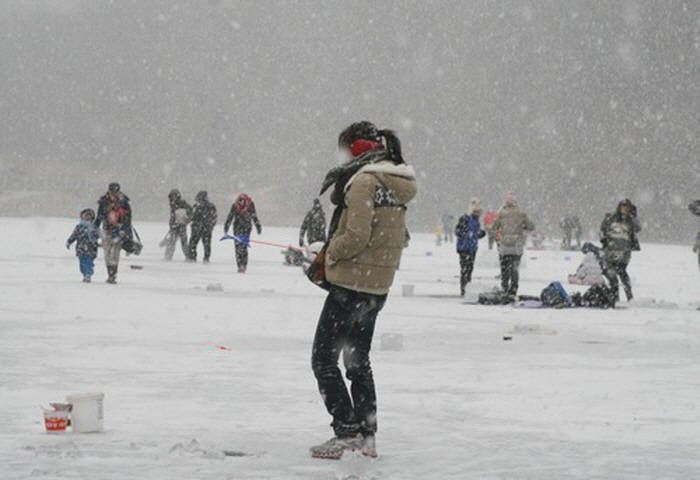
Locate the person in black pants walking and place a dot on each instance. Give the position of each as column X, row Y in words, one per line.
column 243, row 216
column 468, row 232
column 203, row 222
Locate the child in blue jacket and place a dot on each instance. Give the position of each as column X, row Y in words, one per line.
column 85, row 235
column 468, row 232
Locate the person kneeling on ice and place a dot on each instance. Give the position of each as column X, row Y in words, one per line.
column 367, row 233
column 114, row 214
column 85, row 236
column 242, row 215
column 468, row 232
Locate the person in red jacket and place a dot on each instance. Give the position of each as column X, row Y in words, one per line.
column 243, row 216
column 489, row 219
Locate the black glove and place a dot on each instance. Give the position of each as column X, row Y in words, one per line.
column 259, row 230
column 482, row 234
column 67, row 245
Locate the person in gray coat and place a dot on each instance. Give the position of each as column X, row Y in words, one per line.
column 511, row 227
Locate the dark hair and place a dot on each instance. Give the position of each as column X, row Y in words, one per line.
column 365, row 130
column 393, row 145
column 113, row 187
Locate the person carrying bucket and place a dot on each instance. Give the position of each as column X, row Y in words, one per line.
column 114, row 215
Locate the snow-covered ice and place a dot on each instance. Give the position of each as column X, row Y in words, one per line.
column 575, row 394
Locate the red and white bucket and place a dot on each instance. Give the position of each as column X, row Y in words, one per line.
column 55, row 421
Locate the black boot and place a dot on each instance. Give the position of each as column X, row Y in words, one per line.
column 112, row 274
column 628, row 293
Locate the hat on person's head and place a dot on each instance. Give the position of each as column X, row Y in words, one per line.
column 174, row 194
column 363, row 130
column 87, row 211
column 113, row 187
column 201, row 196
column 475, row 205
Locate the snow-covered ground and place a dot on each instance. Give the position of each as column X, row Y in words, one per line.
column 575, row 394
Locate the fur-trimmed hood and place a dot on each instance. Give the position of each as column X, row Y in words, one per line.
column 399, row 179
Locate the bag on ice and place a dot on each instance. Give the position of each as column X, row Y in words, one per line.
column 598, row 296
column 554, row 295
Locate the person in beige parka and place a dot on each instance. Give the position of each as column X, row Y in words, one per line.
column 366, row 237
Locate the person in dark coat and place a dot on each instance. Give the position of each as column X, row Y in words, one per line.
column 468, row 232
column 694, row 207
column 618, row 235
column 203, row 222
column 243, row 216
column 114, row 214
column 314, row 225
column 180, row 215
column 86, row 236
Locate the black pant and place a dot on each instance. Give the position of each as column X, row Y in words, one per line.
column 510, row 264
column 347, row 325
column 613, row 270
column 492, row 238
column 241, row 256
column 203, row 234
column 466, row 266
column 178, row 231
column 566, row 241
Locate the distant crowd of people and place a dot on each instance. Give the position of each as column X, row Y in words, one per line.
column 111, row 228
column 508, row 229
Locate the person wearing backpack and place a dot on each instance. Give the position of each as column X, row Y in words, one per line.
column 243, row 216
column 114, row 214
column 180, row 215
column 511, row 227
column 618, row 235
column 372, row 190
column 468, row 232
column 203, row 222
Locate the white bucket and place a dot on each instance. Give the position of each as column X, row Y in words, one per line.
column 87, row 414
column 407, row 290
